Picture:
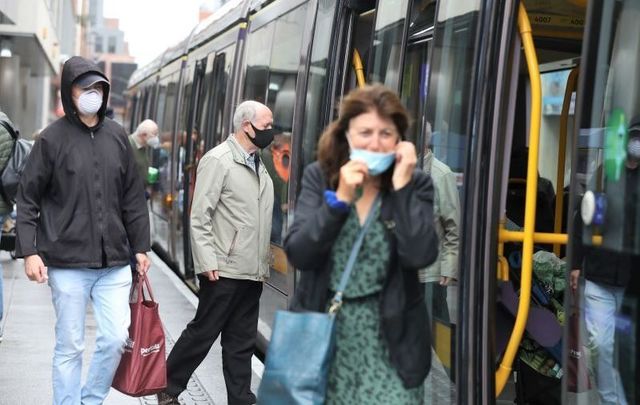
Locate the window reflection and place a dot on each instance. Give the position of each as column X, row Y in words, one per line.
column 606, row 241
column 272, row 70
column 387, row 42
column 317, row 82
column 438, row 73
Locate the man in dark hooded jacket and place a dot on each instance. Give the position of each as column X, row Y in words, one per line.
column 81, row 207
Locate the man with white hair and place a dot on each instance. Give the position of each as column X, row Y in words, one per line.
column 145, row 137
column 230, row 233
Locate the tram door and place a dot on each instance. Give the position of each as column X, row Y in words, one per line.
column 489, row 88
column 190, row 159
column 604, row 341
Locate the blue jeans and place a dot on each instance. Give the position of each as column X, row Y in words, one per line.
column 72, row 289
column 602, row 303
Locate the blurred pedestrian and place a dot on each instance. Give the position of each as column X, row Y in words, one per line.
column 6, row 146
column 144, row 138
column 80, row 206
column 230, row 228
column 383, row 350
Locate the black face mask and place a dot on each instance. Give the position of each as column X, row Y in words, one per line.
column 263, row 137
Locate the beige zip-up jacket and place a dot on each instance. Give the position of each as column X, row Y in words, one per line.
column 231, row 215
column 446, row 213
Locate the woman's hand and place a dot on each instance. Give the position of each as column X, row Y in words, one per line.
column 352, row 175
column 406, row 160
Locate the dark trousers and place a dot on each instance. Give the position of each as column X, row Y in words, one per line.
column 229, row 307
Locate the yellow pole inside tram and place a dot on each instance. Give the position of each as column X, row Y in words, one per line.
column 502, row 374
column 358, row 67
column 562, row 148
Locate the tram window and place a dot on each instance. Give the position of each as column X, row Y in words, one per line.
column 449, row 90
column 162, row 156
column 414, row 87
column 317, row 82
column 606, row 243
column 413, row 92
column 361, row 42
column 553, row 89
column 203, row 118
column 281, row 94
column 183, row 143
column 162, row 98
column 447, row 107
column 258, row 56
column 614, row 103
column 387, row 42
column 423, row 14
column 221, row 71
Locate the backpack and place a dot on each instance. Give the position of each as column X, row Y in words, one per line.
column 11, row 172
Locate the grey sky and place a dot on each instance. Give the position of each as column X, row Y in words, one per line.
column 151, row 26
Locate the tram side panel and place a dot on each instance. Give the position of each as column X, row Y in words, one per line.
column 272, row 60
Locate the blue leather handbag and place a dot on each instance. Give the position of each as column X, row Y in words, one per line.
column 302, row 346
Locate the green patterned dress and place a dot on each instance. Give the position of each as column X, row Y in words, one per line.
column 361, row 372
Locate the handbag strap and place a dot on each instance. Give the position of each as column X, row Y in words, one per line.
column 336, row 301
column 141, row 281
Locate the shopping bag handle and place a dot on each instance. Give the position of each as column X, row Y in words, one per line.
column 141, row 281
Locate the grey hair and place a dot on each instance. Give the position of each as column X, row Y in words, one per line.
column 245, row 111
column 146, row 127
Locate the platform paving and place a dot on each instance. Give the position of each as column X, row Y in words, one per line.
column 27, row 348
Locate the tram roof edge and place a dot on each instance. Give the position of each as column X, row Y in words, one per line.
column 230, row 13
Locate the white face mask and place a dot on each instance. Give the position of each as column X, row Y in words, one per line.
column 153, row 142
column 89, row 102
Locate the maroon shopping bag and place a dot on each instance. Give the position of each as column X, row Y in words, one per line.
column 143, row 367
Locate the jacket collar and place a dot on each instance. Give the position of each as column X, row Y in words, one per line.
column 239, row 154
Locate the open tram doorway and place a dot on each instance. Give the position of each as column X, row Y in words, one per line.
column 478, row 93
column 580, row 340
column 533, row 368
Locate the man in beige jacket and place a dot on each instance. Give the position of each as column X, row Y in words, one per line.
column 230, row 231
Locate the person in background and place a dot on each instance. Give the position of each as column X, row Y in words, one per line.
column 383, row 347
column 81, row 207
column 145, row 137
column 230, row 229
column 6, row 146
column 443, row 273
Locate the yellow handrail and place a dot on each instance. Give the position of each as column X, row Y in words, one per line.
column 572, row 81
column 503, row 264
column 505, row 236
column 358, row 67
column 502, row 374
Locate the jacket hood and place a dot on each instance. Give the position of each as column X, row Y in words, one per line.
column 71, row 71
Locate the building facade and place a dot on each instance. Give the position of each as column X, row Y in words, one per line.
column 35, row 36
column 106, row 45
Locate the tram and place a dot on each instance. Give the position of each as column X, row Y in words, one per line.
column 528, row 102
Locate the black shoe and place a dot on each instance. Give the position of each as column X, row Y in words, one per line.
column 166, row 399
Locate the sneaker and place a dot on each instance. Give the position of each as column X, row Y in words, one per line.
column 166, row 399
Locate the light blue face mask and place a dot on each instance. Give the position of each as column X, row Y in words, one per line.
column 377, row 162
